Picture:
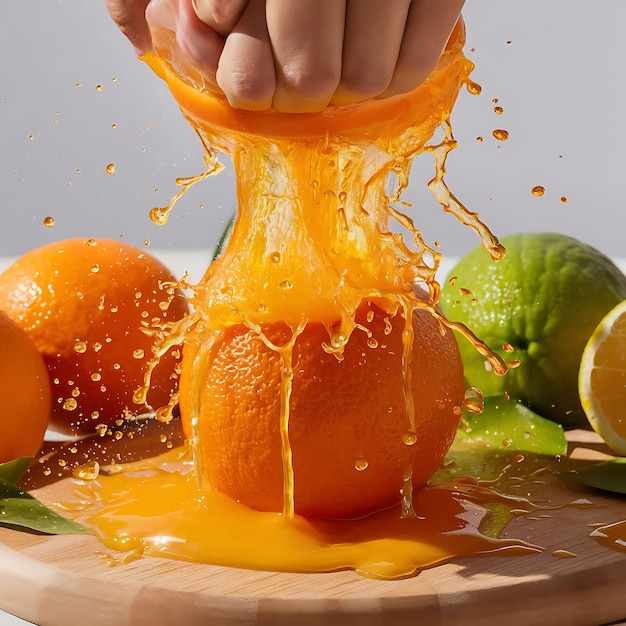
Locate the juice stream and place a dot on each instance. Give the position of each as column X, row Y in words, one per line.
column 312, row 239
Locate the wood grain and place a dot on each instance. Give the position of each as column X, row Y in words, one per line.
column 65, row 581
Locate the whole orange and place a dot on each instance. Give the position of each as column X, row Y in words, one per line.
column 348, row 423
column 91, row 306
column 25, row 393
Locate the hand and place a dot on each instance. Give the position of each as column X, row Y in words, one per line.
column 303, row 56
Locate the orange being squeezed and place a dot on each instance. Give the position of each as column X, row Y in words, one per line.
column 320, row 387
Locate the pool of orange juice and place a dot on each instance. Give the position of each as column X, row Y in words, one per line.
column 311, row 241
column 155, row 507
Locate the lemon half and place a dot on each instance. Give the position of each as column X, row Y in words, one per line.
column 602, row 379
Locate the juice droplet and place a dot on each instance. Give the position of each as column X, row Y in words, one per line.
column 48, row 221
column 96, row 377
column 370, row 316
column 409, row 439
column 479, row 139
column 159, row 216
column 474, row 88
column 164, row 414
column 285, row 284
column 275, row 256
column 507, row 347
column 88, row 471
column 501, row 134
column 31, row 137
column 372, row 343
column 110, row 168
column 139, row 397
column 473, row 400
column 563, row 199
column 80, row 347
column 495, row 100
column 70, row 404
column 361, row 465
column 538, row 190
column 138, row 354
column 113, row 126
column 95, row 268
column 388, row 326
column 498, row 110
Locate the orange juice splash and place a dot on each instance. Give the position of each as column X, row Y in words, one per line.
column 312, row 239
column 316, row 236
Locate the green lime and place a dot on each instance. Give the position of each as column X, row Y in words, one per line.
column 538, row 306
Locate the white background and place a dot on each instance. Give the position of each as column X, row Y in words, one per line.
column 560, row 81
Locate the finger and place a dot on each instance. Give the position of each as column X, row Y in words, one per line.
column 220, row 15
column 246, row 72
column 200, row 44
column 428, row 28
column 307, row 40
column 372, row 40
column 130, row 17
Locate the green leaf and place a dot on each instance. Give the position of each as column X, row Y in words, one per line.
column 509, row 425
column 221, row 244
column 20, row 510
column 606, row 475
column 14, row 470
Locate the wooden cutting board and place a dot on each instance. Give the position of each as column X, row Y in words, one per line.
column 65, row 581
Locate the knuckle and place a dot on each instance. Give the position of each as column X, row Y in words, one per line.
column 419, row 66
column 310, row 80
column 224, row 13
column 243, row 89
column 369, row 84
